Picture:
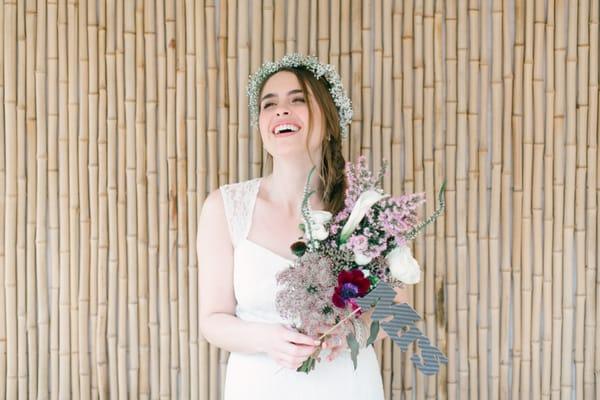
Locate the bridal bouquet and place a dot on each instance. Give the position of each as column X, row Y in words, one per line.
column 343, row 257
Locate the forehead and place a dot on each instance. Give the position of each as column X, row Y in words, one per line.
column 281, row 82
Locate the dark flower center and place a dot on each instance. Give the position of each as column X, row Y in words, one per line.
column 349, row 291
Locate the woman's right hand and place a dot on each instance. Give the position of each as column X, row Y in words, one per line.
column 286, row 346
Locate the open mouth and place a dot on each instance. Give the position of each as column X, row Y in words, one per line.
column 285, row 129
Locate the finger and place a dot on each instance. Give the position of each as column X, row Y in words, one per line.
column 334, row 353
column 299, row 338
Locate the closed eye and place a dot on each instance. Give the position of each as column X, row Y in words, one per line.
column 267, row 105
column 298, row 100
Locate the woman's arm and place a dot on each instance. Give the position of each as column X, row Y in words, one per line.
column 218, row 323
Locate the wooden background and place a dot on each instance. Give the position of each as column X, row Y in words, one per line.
column 118, row 117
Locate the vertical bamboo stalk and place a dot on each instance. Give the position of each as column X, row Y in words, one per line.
column 255, row 62
column 142, row 208
column 461, row 201
column 99, row 349
column 354, row 136
column 92, row 50
column 279, row 29
column 241, row 159
column 290, row 27
column 374, row 142
column 151, row 99
column 192, row 267
column 450, row 214
column 49, row 371
column 537, row 196
column 267, row 48
column 500, row 122
column 483, row 233
column 303, row 22
column 345, row 56
column 83, row 290
column 28, row 369
column 163, row 203
column 500, row 387
column 559, row 194
column 312, row 27
column 6, row 30
column 428, row 173
column 366, row 89
column 323, row 31
column 170, row 9
column 522, row 385
column 547, row 291
column 74, row 202
column 201, row 175
column 112, row 187
column 212, row 156
column 11, row 239
column 334, row 32
column 64, row 371
column 233, row 91
column 124, row 143
column 517, row 126
column 592, row 209
column 182, row 212
column 583, row 49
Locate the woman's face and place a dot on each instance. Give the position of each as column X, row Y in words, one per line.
column 284, row 118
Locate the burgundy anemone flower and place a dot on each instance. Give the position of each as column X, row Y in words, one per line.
column 351, row 284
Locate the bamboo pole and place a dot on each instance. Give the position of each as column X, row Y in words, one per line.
column 83, row 286
column 323, row 30
column 74, row 202
column 99, row 348
column 395, row 159
column 592, row 209
column 233, row 91
column 212, row 157
column 123, row 91
column 113, row 206
column 303, row 24
column 163, row 204
column 151, row 100
column 171, row 130
column 500, row 387
column 141, row 84
column 6, row 30
column 312, row 27
column 450, row 155
column 547, row 291
column 267, row 49
column 559, row 195
column 290, row 27
column 334, row 29
column 11, row 239
column 364, row 140
column 192, row 189
column 500, row 122
column 408, row 123
column 461, row 201
column 278, row 31
column 92, row 50
column 354, row 137
column 373, row 143
column 28, row 376
column 517, row 152
column 345, row 73
column 582, row 103
column 255, row 62
column 201, row 178
column 48, row 377
column 64, row 388
column 182, row 211
column 241, row 159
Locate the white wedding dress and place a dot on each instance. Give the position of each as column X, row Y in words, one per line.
column 257, row 376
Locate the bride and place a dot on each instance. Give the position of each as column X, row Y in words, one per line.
column 244, row 236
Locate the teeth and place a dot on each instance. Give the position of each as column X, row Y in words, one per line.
column 283, row 127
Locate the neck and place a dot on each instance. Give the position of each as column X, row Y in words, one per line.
column 285, row 186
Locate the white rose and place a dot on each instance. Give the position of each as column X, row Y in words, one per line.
column 363, row 204
column 403, row 266
column 361, row 259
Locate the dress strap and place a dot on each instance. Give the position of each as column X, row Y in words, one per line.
column 239, row 200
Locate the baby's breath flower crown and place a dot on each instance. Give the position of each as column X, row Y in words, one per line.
column 318, row 69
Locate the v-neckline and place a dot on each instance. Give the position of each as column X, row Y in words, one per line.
column 266, row 249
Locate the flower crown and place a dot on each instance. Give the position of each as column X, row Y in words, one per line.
column 319, row 70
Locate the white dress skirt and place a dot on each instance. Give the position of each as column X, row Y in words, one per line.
column 257, row 376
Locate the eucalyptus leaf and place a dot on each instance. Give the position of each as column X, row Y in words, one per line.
column 353, row 345
column 374, row 332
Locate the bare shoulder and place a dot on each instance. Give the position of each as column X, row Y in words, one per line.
column 212, row 224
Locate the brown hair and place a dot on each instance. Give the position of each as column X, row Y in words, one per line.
column 332, row 164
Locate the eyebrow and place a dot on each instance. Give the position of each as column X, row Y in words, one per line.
column 291, row 92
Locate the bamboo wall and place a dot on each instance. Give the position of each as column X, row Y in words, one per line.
column 119, row 116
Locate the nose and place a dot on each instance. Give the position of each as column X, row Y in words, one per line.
column 282, row 111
